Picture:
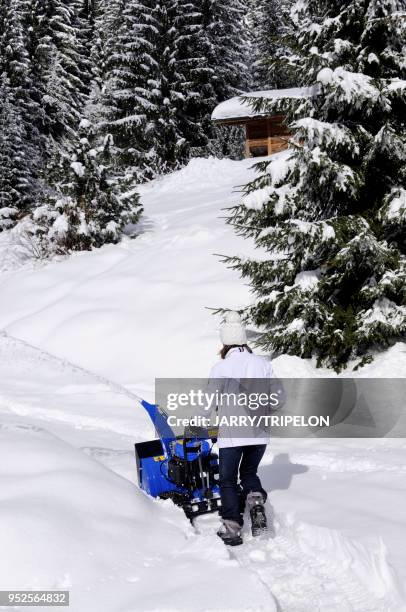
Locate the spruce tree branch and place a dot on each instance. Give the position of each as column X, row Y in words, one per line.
column 248, row 227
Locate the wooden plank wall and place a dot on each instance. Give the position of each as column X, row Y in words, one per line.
column 270, row 133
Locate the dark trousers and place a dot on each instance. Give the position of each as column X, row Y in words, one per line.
column 247, row 459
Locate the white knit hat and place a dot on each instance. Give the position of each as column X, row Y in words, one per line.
column 232, row 330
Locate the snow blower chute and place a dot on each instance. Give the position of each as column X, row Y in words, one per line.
column 182, row 469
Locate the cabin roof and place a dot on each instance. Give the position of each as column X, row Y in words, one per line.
column 239, row 108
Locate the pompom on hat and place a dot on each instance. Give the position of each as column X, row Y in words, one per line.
column 232, row 330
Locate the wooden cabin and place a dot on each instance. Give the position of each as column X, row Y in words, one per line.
column 265, row 133
column 266, row 136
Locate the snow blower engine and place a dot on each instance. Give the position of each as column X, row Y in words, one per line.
column 182, row 469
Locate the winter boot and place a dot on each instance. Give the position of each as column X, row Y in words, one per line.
column 255, row 502
column 230, row 533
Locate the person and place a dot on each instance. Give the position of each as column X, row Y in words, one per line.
column 239, row 456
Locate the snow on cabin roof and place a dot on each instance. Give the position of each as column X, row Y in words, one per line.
column 238, row 108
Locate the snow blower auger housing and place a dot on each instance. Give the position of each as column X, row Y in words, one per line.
column 182, row 469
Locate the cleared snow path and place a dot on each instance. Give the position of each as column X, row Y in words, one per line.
column 68, row 522
column 93, row 532
column 69, row 511
column 305, row 567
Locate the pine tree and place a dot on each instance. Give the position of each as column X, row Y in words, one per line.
column 19, row 115
column 225, row 42
column 84, row 201
column 100, row 33
column 270, row 26
column 170, row 143
column 62, row 66
column 88, row 208
column 200, row 57
column 61, row 43
column 193, row 57
column 145, row 76
column 196, row 76
column 16, row 177
column 130, row 84
column 331, row 281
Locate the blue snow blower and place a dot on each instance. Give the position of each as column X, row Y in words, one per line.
column 180, row 468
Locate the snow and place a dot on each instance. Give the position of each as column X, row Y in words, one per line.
column 84, row 228
column 397, row 206
column 297, row 325
column 239, row 106
column 103, row 309
column 325, row 76
column 353, row 87
column 307, row 280
column 7, row 211
column 257, row 198
column 277, row 169
column 68, row 522
column 396, row 84
column 333, row 134
column 60, row 225
column 88, row 309
column 328, row 231
column 78, row 168
column 383, row 311
column 112, row 227
column 81, row 336
column 373, row 58
column 281, row 164
column 72, row 518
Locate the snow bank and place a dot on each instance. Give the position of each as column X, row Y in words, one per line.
column 69, row 523
column 364, row 578
column 387, row 364
column 37, row 385
column 104, row 309
column 356, row 487
column 137, row 310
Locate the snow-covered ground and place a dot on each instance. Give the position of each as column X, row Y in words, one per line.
column 80, row 335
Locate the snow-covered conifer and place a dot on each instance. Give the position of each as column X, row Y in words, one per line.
column 170, row 143
column 130, row 84
column 196, row 76
column 330, row 222
column 61, row 63
column 270, row 25
column 225, row 41
column 226, row 31
column 20, row 144
column 89, row 207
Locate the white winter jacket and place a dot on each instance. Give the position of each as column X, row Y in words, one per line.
column 241, row 364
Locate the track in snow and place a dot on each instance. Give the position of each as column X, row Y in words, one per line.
column 304, row 568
